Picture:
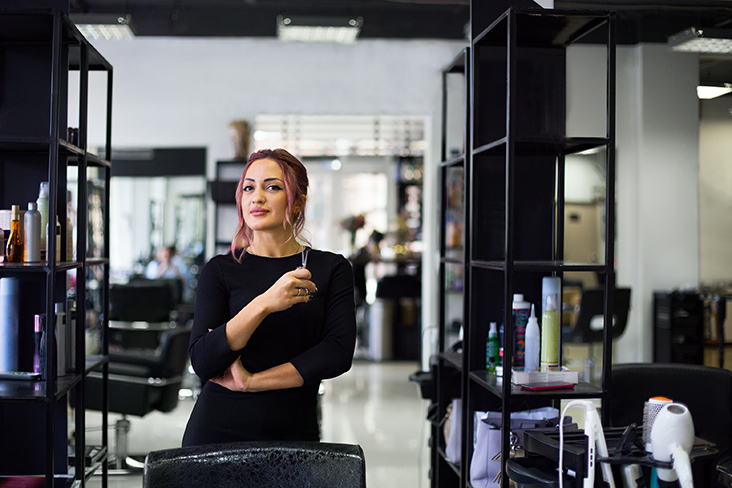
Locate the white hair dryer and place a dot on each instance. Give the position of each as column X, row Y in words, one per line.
column 596, row 445
column 672, row 438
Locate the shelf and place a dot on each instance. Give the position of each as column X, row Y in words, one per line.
column 540, row 266
column 495, row 385
column 555, row 28
column 454, row 358
column 543, row 145
column 455, row 162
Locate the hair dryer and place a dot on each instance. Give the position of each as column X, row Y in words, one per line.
column 672, row 437
column 595, row 444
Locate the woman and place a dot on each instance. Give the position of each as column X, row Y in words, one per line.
column 272, row 317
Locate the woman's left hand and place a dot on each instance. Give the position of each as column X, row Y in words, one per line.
column 235, row 378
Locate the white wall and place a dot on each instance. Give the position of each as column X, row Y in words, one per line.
column 715, row 190
column 657, row 174
column 657, row 140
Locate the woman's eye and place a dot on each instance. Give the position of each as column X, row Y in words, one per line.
column 274, row 187
column 247, row 188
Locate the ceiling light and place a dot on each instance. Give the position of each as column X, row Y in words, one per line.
column 697, row 40
column 103, row 26
column 707, row 92
column 342, row 30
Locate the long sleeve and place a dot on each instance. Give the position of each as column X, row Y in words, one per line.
column 210, row 354
column 333, row 355
column 317, row 337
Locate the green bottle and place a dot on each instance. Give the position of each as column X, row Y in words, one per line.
column 491, row 349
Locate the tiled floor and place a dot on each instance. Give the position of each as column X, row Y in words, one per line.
column 373, row 405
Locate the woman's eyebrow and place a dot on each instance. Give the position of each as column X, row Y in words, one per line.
column 266, row 179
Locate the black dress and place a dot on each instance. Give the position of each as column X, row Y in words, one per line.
column 317, row 337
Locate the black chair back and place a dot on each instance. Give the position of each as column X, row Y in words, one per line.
column 144, row 301
column 285, row 464
column 593, row 305
column 705, row 390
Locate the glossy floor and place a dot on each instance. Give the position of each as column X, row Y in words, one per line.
column 373, row 405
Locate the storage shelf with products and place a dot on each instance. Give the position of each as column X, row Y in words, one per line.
column 512, row 203
column 44, row 58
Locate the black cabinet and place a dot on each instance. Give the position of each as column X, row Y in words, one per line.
column 43, row 137
column 678, row 327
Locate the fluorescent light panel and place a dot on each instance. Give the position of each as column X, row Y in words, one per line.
column 108, row 27
column 306, row 29
column 698, row 40
column 709, row 92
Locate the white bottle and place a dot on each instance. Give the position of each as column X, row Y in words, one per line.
column 42, row 203
column 533, row 342
column 32, row 234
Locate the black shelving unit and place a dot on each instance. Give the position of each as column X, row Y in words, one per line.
column 40, row 50
column 513, row 206
column 222, row 193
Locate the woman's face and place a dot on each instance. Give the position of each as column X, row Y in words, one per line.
column 264, row 199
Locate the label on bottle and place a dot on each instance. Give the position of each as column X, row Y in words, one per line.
column 520, row 320
column 491, row 353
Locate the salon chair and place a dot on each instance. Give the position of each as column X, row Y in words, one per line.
column 140, row 381
column 705, row 390
column 285, row 464
column 589, row 326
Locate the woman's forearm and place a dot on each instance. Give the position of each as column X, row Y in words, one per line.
column 277, row 378
column 281, row 377
column 241, row 327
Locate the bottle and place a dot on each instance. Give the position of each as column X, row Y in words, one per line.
column 38, row 360
column 550, row 334
column 60, row 340
column 69, row 240
column 14, row 247
column 58, row 241
column 9, row 323
column 32, row 234
column 520, row 319
column 533, row 341
column 42, row 203
column 491, row 349
column 43, row 351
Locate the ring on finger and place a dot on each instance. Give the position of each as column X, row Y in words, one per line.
column 298, row 292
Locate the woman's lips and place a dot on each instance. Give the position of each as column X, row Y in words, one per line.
column 257, row 212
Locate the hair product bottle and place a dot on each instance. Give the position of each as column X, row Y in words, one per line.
column 14, row 247
column 32, row 234
column 550, row 334
column 520, row 320
column 491, row 349
column 9, row 299
column 533, row 341
column 61, row 337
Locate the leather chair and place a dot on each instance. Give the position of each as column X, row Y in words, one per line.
column 705, row 390
column 140, row 382
column 285, row 464
column 592, row 306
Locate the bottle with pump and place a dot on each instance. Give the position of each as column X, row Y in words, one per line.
column 491, row 349
column 32, row 234
column 550, row 334
column 14, row 247
column 533, row 341
column 42, row 204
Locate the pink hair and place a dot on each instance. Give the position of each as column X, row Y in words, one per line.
column 296, row 186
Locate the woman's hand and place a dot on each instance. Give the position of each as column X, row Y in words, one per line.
column 292, row 287
column 235, row 378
